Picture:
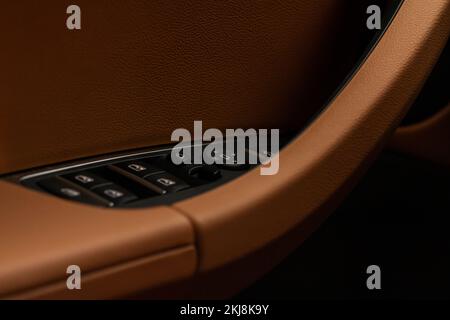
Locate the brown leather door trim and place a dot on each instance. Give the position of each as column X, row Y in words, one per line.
column 123, row 279
column 244, row 215
column 42, row 235
column 426, row 140
column 139, row 69
column 46, row 234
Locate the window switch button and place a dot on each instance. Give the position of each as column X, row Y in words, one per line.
column 65, row 189
column 87, row 179
column 136, row 168
column 167, row 182
column 115, row 194
column 230, row 161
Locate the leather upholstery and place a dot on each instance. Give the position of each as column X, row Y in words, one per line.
column 429, row 139
column 253, row 210
column 139, row 69
column 45, row 234
column 42, row 235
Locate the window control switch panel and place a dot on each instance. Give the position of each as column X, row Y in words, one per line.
column 138, row 179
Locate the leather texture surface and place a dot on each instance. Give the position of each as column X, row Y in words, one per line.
column 249, row 212
column 120, row 280
column 139, row 69
column 429, row 140
column 42, row 235
column 136, row 71
column 46, row 234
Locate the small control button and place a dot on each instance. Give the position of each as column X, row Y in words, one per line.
column 210, row 173
column 202, row 171
column 167, row 182
column 83, row 179
column 184, row 170
column 87, row 179
column 115, row 193
column 136, row 168
column 68, row 190
column 230, row 161
column 191, row 169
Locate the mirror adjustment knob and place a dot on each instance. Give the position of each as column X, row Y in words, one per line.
column 209, row 172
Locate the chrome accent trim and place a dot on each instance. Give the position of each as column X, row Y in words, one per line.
column 92, row 162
